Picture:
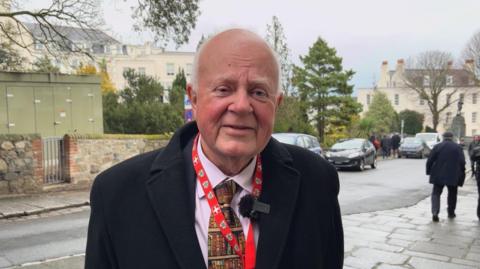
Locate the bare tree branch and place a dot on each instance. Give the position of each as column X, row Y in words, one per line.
column 431, row 75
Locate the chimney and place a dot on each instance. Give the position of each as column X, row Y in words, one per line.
column 449, row 64
column 400, row 64
column 382, row 81
column 469, row 65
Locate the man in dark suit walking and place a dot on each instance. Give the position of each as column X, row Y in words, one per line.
column 180, row 207
column 446, row 167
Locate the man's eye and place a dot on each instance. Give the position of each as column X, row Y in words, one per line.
column 260, row 93
column 222, row 90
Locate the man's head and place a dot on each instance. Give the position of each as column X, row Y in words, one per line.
column 448, row 136
column 476, row 138
column 234, row 94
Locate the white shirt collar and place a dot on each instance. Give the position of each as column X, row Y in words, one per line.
column 243, row 179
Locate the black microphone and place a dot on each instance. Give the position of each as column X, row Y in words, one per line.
column 249, row 207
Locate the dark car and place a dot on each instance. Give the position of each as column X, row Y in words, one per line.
column 414, row 147
column 302, row 140
column 355, row 152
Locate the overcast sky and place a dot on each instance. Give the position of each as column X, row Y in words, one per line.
column 364, row 32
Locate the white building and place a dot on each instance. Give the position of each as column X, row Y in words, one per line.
column 391, row 82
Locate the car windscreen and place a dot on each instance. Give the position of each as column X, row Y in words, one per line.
column 412, row 141
column 427, row 137
column 349, row 144
column 287, row 139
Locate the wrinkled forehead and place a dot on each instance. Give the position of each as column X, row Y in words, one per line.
column 238, row 50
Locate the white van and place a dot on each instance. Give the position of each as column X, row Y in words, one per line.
column 430, row 138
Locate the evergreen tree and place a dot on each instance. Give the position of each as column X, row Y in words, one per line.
column 413, row 121
column 141, row 89
column 323, row 85
column 177, row 93
column 382, row 114
column 291, row 117
column 276, row 38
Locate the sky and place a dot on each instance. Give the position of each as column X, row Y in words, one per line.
column 364, row 33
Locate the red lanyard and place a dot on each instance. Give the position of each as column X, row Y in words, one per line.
column 249, row 257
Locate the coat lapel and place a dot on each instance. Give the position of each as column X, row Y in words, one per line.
column 280, row 189
column 171, row 190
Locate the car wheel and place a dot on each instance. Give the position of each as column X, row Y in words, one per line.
column 361, row 165
column 374, row 164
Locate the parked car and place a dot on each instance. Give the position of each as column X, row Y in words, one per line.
column 414, row 147
column 302, row 140
column 430, row 138
column 355, row 152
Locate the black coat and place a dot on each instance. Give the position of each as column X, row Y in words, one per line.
column 143, row 211
column 446, row 164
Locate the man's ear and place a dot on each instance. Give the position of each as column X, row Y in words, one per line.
column 278, row 100
column 192, row 96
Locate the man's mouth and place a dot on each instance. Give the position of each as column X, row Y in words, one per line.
column 238, row 127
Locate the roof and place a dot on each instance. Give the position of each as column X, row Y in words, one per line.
column 75, row 34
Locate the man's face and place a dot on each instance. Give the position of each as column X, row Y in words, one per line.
column 236, row 97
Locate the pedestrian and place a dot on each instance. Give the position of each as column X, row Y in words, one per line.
column 446, row 167
column 385, row 144
column 474, row 154
column 222, row 193
column 395, row 145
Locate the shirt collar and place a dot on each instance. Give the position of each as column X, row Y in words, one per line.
column 243, row 179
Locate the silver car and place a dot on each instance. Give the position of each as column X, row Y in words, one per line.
column 302, row 140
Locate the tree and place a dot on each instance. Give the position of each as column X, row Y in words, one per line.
column 177, row 93
column 141, row 111
column 472, row 52
column 323, row 85
column 86, row 70
column 141, row 88
column 10, row 60
column 45, row 65
column 427, row 77
column 276, row 38
column 106, row 84
column 164, row 18
column 413, row 121
column 291, row 117
column 381, row 114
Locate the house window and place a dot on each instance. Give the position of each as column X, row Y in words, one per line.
column 474, row 132
column 189, row 69
column 474, row 117
column 448, row 99
column 170, row 69
column 449, row 80
column 38, row 45
column 368, row 99
column 124, row 50
column 98, row 48
column 426, row 81
column 461, row 97
column 141, row 70
column 474, row 98
column 447, row 119
column 397, row 99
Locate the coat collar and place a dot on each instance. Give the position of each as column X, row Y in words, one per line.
column 171, row 189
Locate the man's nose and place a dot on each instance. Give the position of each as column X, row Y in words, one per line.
column 241, row 103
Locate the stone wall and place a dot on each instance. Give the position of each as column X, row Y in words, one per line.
column 87, row 157
column 21, row 160
column 20, row 164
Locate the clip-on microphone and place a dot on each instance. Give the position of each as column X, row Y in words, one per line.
column 249, row 207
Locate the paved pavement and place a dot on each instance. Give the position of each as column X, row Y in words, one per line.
column 389, row 239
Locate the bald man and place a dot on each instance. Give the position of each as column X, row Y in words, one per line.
column 222, row 193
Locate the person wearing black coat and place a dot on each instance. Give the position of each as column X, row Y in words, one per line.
column 446, row 167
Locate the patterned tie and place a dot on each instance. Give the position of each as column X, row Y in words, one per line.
column 220, row 254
